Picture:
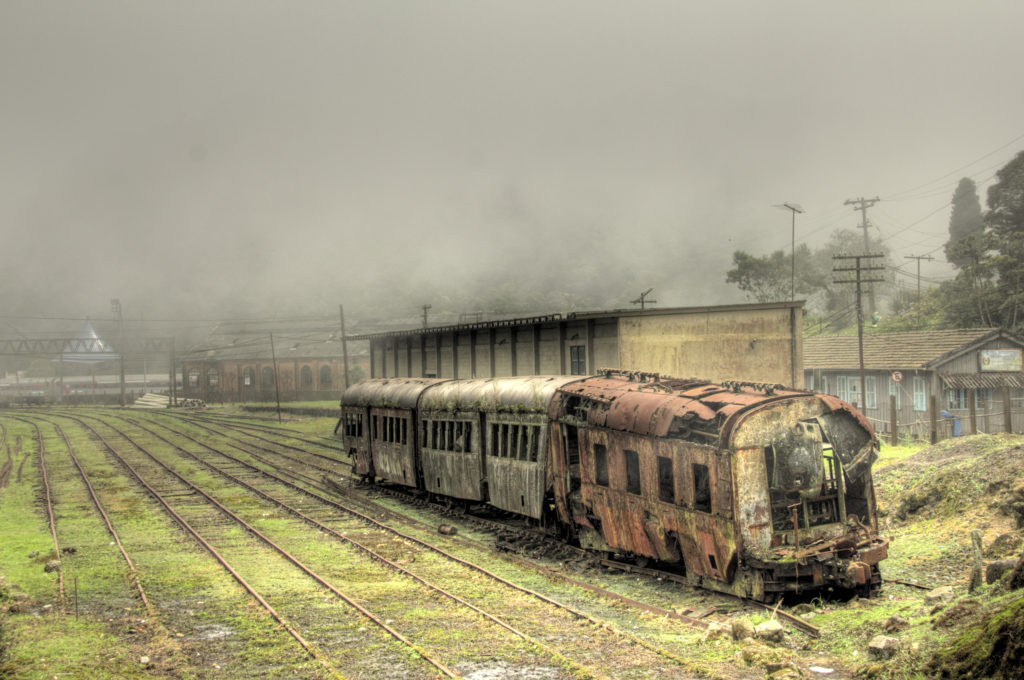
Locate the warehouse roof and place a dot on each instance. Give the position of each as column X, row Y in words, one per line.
column 886, row 351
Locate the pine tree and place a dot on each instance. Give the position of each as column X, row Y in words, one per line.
column 966, row 226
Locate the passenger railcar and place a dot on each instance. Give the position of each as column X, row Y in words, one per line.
column 750, row 489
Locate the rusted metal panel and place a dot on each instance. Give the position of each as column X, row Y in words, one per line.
column 393, row 461
column 455, row 474
column 517, row 482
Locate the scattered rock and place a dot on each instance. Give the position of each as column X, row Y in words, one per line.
column 34, row 554
column 69, row 550
column 47, row 608
column 995, row 570
column 742, row 629
column 52, row 565
column 782, row 671
column 447, row 530
column 144, row 660
column 716, row 631
column 1003, row 545
column 940, row 595
column 896, row 623
column 883, row 647
column 802, row 608
column 771, row 631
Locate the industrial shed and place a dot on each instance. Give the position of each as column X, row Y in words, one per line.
column 958, row 368
column 754, row 342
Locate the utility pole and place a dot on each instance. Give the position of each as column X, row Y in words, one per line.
column 858, row 269
column 425, row 308
column 115, row 306
column 642, row 300
column 918, row 258
column 793, row 208
column 277, row 390
column 862, row 204
column 344, row 345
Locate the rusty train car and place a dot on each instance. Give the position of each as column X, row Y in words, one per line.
column 749, row 489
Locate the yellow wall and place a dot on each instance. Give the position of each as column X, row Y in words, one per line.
column 757, row 345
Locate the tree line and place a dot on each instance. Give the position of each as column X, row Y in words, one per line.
column 985, row 247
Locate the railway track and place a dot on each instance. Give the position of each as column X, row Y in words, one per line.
column 256, row 480
column 551, row 544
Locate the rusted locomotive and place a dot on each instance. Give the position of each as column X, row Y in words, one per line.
column 750, row 489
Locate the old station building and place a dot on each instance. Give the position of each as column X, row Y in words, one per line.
column 241, row 362
column 973, row 375
column 754, row 342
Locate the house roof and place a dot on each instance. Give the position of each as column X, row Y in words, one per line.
column 242, row 341
column 888, row 351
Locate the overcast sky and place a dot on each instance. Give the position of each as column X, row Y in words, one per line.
column 210, row 155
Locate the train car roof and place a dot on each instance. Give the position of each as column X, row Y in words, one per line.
column 388, row 392
column 650, row 405
column 525, row 393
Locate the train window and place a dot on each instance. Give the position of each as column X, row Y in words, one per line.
column 522, row 442
column 450, row 438
column 467, row 437
column 376, row 425
column 359, row 425
column 534, row 443
column 494, row 440
column 666, row 480
column 405, row 431
column 506, row 443
column 632, row 471
column 600, row 465
column 701, row 488
column 424, row 428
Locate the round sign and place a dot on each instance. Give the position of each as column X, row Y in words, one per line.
column 897, row 376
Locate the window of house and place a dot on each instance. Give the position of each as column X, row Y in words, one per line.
column 871, row 392
column 325, row 376
column 701, row 488
column 810, row 381
column 267, row 378
column 600, row 465
column 577, row 360
column 632, row 471
column 666, row 480
column 956, row 398
column 248, row 377
column 842, row 388
column 853, row 391
column 920, row 394
column 306, row 376
column 193, row 377
column 212, row 378
column 824, row 385
column 894, row 391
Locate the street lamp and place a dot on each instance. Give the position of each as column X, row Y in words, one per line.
column 793, row 208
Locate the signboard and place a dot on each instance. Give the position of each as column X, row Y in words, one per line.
column 896, row 376
column 1000, row 360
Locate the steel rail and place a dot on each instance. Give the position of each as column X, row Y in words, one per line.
column 291, row 558
column 49, row 508
column 133, row 577
column 372, row 553
column 312, row 650
column 559, row 605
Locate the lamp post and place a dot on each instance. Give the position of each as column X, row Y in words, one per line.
column 794, row 208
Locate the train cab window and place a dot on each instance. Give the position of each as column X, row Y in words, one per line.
column 632, row 471
column 666, row 480
column 600, row 465
column 701, row 488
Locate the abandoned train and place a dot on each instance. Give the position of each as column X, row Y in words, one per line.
column 749, row 489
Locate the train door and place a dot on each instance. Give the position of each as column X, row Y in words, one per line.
column 357, row 445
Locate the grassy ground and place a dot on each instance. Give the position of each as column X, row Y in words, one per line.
column 930, row 500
